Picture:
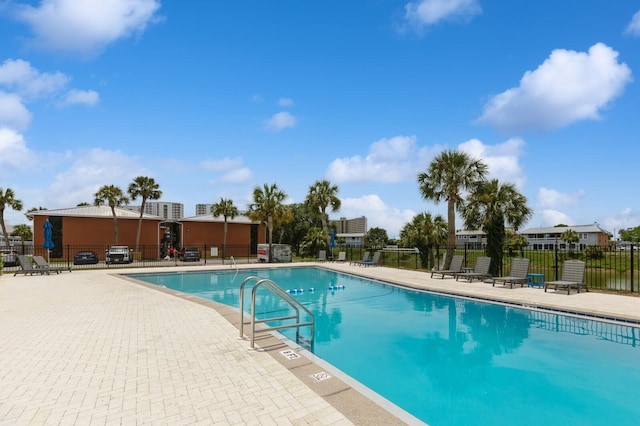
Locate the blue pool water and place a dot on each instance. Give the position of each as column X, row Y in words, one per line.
column 451, row 361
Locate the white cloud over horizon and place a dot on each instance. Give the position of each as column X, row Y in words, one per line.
column 503, row 159
column 389, row 160
column 88, row 171
column 378, row 213
column 568, row 86
column 554, row 217
column 551, row 198
column 85, row 27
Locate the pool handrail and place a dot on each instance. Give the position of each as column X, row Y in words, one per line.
column 278, row 291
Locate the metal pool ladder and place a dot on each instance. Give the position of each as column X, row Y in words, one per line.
column 279, row 292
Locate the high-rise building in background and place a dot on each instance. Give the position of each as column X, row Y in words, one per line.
column 166, row 210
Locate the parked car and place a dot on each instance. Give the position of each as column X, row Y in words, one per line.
column 85, row 258
column 9, row 257
column 190, row 253
column 118, row 254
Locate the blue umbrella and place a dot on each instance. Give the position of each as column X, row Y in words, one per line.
column 48, row 235
column 332, row 242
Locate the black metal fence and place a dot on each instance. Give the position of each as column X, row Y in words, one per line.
column 605, row 269
column 68, row 256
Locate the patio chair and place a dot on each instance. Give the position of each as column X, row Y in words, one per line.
column 27, row 267
column 365, row 257
column 342, row 256
column 517, row 275
column 43, row 264
column 572, row 276
column 480, row 271
column 322, row 256
column 370, row 262
column 454, row 269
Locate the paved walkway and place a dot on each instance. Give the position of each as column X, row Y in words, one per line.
column 88, row 348
column 91, row 348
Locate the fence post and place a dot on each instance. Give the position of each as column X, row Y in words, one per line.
column 632, row 265
column 555, row 251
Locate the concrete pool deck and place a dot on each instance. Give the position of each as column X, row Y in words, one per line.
column 90, row 347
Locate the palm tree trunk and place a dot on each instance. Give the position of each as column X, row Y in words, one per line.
column 270, row 226
column 115, row 224
column 451, row 232
column 144, row 201
column 224, row 239
column 4, row 228
column 325, row 228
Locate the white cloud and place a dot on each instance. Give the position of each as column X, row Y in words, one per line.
column 551, row 198
column 503, row 159
column 397, row 159
column 232, row 169
column 285, row 102
column 634, row 26
column 13, row 151
column 569, row 86
column 80, row 97
column 85, row 26
column 91, row 170
column 429, row 12
column 13, row 113
column 627, row 218
column 24, row 83
column 20, row 77
column 224, row 164
column 378, row 214
column 281, row 121
column 554, row 217
column 237, row 177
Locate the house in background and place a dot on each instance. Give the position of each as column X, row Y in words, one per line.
column 473, row 239
column 91, row 228
column 546, row 238
column 550, row 237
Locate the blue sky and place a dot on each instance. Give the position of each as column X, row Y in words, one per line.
column 212, row 98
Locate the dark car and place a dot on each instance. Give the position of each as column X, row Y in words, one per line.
column 9, row 257
column 190, row 253
column 85, row 258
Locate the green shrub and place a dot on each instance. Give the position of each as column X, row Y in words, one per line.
column 594, row 252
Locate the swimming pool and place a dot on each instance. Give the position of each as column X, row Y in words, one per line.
column 449, row 360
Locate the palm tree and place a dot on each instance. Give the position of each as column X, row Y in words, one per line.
column 314, row 240
column 489, row 207
column 226, row 209
column 114, row 197
column 23, row 231
column 571, row 237
column 147, row 189
column 448, row 175
column 321, row 196
column 7, row 199
column 33, row 209
column 267, row 203
column 425, row 232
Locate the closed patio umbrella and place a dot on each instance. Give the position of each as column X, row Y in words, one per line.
column 48, row 236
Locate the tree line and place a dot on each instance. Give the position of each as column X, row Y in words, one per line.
column 452, row 176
